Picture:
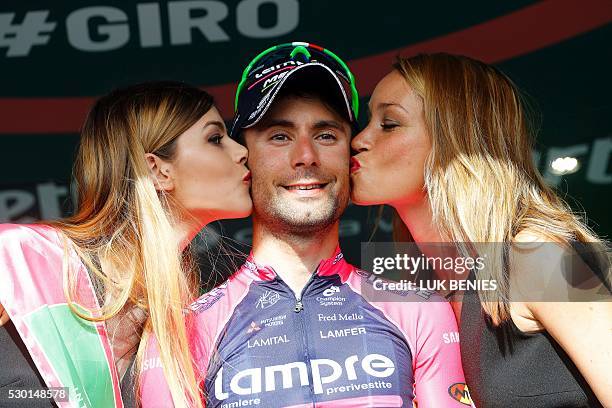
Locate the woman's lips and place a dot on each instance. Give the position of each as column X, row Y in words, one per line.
column 247, row 177
column 355, row 165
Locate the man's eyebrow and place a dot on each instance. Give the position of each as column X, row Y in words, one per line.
column 277, row 122
column 322, row 124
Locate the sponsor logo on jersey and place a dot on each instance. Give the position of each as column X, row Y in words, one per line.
column 269, row 298
column 209, row 299
column 351, row 331
column 270, row 341
column 459, row 392
column 253, row 327
column 331, row 291
column 286, row 376
column 450, row 337
column 339, row 317
column 329, row 298
column 273, row 321
column 150, row 363
column 338, row 258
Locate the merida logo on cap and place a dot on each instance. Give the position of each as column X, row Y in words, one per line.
column 275, row 67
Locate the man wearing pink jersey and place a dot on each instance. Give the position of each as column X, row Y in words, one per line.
column 295, row 326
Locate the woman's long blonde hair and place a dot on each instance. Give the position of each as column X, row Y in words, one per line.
column 123, row 228
column 481, row 180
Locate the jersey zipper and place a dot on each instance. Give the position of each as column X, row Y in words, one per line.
column 298, row 308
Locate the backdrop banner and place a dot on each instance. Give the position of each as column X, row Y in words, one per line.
column 55, row 59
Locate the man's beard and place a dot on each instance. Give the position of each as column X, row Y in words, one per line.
column 297, row 217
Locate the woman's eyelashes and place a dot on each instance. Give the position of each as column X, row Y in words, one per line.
column 389, row 124
column 215, row 139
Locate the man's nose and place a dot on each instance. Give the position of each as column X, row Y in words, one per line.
column 305, row 153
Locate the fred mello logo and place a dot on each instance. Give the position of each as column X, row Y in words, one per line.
column 324, row 371
column 267, row 299
column 339, row 316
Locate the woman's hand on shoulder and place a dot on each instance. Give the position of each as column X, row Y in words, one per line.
column 4, row 317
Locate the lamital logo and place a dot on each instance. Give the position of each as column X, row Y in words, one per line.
column 267, row 299
column 270, row 341
column 324, row 371
column 460, row 392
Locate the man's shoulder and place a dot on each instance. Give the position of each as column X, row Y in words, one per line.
column 208, row 299
column 225, row 295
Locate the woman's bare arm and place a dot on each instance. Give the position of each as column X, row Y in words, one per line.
column 3, row 315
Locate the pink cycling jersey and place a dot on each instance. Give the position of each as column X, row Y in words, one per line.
column 341, row 343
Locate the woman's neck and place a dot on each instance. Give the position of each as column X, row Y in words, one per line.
column 186, row 228
column 418, row 218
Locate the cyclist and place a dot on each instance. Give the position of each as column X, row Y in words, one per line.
column 295, row 326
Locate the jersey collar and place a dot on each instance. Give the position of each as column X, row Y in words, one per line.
column 335, row 265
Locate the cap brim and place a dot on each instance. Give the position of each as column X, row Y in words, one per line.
column 256, row 107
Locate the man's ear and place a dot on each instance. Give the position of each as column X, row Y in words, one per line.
column 160, row 172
